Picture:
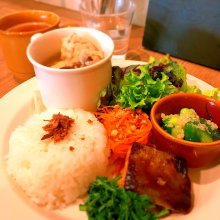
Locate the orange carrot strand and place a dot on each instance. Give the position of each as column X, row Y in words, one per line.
column 124, row 126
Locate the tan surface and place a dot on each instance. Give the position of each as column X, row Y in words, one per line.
column 70, row 17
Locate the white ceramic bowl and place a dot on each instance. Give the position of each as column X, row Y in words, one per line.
column 70, row 88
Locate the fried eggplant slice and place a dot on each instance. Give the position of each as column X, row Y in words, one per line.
column 160, row 175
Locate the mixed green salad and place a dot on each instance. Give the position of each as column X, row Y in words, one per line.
column 140, row 86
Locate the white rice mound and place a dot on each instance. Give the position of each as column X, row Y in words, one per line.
column 50, row 173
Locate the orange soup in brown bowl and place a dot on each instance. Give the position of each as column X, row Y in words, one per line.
column 16, row 30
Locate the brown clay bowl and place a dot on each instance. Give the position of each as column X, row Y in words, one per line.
column 197, row 154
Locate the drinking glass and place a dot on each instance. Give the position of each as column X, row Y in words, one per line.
column 114, row 17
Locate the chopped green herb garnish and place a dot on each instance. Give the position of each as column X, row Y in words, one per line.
column 108, row 201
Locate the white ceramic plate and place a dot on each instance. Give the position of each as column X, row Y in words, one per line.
column 18, row 105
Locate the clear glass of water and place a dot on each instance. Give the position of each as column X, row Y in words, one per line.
column 114, row 17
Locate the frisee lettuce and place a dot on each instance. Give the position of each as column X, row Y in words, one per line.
column 212, row 93
column 142, row 91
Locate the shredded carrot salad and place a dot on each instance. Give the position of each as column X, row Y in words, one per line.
column 123, row 127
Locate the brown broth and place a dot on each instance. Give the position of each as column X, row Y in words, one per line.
column 52, row 60
column 28, row 27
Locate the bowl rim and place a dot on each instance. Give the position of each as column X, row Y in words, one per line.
column 26, row 12
column 189, row 144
